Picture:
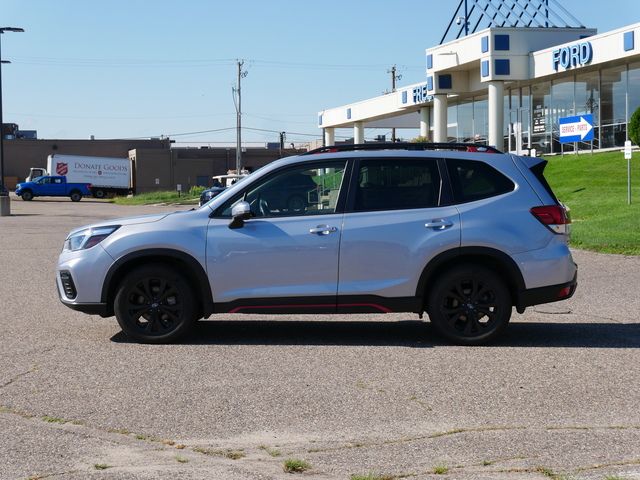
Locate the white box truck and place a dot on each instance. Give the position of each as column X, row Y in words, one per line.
column 107, row 175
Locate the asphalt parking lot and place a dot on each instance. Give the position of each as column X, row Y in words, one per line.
column 558, row 395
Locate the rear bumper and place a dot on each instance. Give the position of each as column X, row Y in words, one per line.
column 553, row 293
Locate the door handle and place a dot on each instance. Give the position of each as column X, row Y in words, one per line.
column 323, row 230
column 439, row 224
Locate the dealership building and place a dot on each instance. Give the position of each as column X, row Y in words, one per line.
column 512, row 77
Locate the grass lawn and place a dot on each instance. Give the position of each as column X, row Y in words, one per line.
column 159, row 197
column 595, row 189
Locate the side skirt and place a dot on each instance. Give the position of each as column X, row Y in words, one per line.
column 321, row 305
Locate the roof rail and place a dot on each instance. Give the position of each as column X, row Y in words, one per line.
column 461, row 147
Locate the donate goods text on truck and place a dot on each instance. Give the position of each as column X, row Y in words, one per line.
column 107, row 175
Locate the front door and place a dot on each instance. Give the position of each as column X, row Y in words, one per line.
column 287, row 253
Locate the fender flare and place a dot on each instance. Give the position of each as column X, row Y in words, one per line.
column 195, row 273
column 506, row 263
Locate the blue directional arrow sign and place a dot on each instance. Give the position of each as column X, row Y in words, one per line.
column 576, row 129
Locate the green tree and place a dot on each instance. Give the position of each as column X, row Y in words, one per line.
column 634, row 127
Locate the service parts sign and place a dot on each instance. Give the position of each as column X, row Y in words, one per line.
column 107, row 172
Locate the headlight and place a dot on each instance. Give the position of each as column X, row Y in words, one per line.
column 87, row 238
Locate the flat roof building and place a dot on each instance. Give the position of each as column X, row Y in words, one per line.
column 513, row 84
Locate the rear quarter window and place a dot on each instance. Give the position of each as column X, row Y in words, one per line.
column 474, row 180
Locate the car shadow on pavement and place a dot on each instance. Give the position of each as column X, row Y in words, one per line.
column 409, row 333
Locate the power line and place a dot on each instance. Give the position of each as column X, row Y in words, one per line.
column 136, row 62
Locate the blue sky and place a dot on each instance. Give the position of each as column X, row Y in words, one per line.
column 136, row 68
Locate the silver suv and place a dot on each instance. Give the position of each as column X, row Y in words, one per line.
column 460, row 231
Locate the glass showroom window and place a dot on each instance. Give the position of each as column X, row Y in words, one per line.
column 587, row 90
column 465, row 121
column 613, row 107
column 634, row 88
column 452, row 123
column 540, row 111
column 562, row 102
column 481, row 120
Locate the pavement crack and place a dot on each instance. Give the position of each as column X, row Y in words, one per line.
column 414, row 438
column 18, row 376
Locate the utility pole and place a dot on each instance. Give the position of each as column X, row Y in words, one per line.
column 283, row 137
column 394, row 77
column 237, row 100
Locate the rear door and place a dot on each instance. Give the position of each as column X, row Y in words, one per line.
column 393, row 226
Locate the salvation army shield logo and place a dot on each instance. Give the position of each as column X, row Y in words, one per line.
column 62, row 168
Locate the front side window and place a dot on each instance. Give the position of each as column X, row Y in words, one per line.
column 472, row 180
column 397, row 184
column 301, row 190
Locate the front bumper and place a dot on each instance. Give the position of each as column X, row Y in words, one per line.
column 87, row 270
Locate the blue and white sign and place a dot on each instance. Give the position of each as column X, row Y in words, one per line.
column 576, row 129
column 572, row 56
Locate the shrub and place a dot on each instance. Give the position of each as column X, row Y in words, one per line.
column 634, row 127
column 196, row 191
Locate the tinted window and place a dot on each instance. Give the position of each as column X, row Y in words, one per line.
column 472, row 180
column 301, row 190
column 395, row 184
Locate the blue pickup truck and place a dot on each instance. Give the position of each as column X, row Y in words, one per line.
column 52, row 187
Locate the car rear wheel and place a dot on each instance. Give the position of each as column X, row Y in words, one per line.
column 155, row 305
column 469, row 305
column 75, row 196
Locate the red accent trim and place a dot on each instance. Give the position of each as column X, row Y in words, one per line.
column 263, row 307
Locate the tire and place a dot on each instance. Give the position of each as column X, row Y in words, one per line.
column 99, row 193
column 75, row 196
column 155, row 304
column 27, row 196
column 469, row 305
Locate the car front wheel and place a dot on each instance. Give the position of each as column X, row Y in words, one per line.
column 469, row 305
column 155, row 305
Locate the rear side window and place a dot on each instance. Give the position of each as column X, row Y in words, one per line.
column 397, row 184
column 472, row 180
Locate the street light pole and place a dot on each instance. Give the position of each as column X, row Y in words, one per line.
column 3, row 189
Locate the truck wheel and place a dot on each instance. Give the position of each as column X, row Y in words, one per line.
column 99, row 193
column 469, row 305
column 155, row 304
column 75, row 196
column 27, row 196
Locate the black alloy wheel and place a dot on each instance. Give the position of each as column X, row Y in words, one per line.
column 155, row 305
column 470, row 305
column 27, row 196
column 75, row 196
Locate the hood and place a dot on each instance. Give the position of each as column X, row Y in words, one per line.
column 124, row 221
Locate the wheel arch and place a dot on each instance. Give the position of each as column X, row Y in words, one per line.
column 491, row 258
column 181, row 261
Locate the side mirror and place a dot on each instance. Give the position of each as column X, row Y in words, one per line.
column 240, row 212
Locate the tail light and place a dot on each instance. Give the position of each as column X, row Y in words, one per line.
column 89, row 186
column 554, row 217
